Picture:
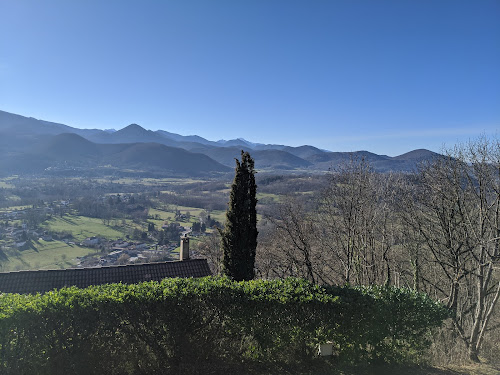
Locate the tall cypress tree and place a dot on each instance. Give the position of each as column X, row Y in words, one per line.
column 239, row 236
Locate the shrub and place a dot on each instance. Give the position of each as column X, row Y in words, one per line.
column 155, row 326
column 385, row 324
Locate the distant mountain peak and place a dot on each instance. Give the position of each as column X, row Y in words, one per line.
column 133, row 126
column 133, row 130
column 418, row 154
column 238, row 142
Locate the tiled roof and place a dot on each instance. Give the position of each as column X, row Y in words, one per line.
column 45, row 280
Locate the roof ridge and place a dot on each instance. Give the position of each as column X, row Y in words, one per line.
column 45, row 280
column 110, row 266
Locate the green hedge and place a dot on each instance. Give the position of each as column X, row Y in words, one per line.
column 152, row 327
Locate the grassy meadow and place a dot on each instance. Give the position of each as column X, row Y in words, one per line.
column 169, row 215
column 82, row 227
column 13, row 208
column 46, row 255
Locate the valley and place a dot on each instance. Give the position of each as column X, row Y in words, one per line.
column 75, row 225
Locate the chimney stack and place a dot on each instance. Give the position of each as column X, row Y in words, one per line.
column 184, row 253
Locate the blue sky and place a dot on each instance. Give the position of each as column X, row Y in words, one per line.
column 344, row 75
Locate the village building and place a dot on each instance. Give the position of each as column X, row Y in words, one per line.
column 91, row 241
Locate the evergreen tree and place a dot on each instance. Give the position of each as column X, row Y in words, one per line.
column 239, row 236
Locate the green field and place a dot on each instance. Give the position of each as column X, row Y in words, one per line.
column 82, row 227
column 146, row 181
column 4, row 182
column 46, row 255
column 220, row 216
column 57, row 254
column 175, row 181
column 195, row 213
column 268, row 198
column 163, row 214
column 13, row 208
column 5, row 185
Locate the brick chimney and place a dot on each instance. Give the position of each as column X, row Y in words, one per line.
column 184, row 253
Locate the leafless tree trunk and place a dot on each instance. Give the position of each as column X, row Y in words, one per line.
column 271, row 261
column 356, row 213
column 296, row 239
column 458, row 218
column 210, row 248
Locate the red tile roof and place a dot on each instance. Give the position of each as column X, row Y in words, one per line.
column 45, row 280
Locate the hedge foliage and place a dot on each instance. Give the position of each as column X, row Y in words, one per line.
column 155, row 327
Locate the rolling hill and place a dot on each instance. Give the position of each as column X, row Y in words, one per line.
column 70, row 151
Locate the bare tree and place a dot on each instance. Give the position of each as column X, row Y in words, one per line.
column 296, row 241
column 458, row 216
column 357, row 224
column 209, row 247
column 413, row 251
column 271, row 262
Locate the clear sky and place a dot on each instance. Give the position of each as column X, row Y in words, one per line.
column 386, row 76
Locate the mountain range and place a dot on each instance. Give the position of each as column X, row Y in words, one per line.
column 29, row 145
